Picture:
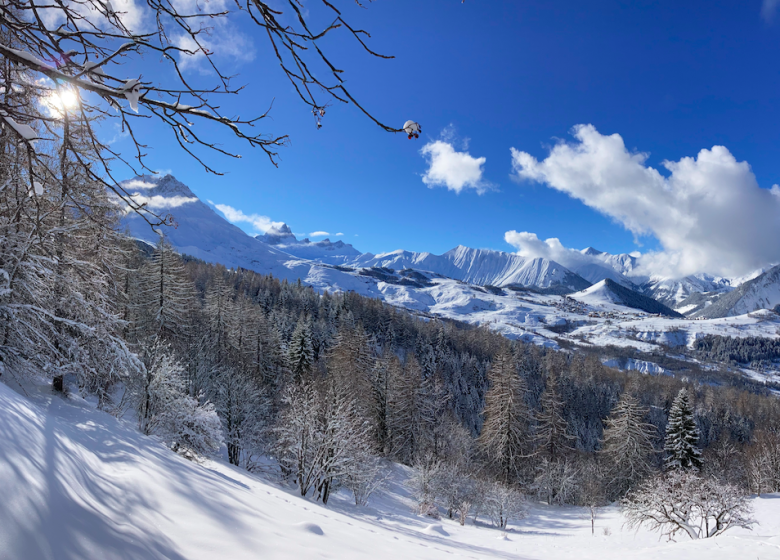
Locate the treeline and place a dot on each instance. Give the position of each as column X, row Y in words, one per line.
column 754, row 350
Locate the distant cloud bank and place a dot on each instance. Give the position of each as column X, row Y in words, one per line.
column 709, row 214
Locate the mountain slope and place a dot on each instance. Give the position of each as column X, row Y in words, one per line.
column 483, row 267
column 672, row 292
column 762, row 292
column 607, row 293
column 203, row 234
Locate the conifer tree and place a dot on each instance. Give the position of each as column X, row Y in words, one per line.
column 300, row 355
column 627, row 445
column 553, row 440
column 165, row 298
column 504, row 439
column 682, row 436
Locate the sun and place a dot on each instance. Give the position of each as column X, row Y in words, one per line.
column 67, row 98
column 60, row 101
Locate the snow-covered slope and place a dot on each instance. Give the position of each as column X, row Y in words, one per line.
column 623, row 263
column 672, row 292
column 762, row 292
column 483, row 267
column 79, row 484
column 203, row 234
column 608, row 294
column 283, row 239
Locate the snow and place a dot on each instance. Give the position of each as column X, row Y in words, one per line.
column 78, row 483
column 24, row 130
column 131, row 89
column 598, row 295
column 632, row 364
column 475, row 266
column 283, row 239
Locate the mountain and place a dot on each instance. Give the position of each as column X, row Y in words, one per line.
column 624, row 263
column 283, row 239
column 203, row 234
column 673, row 292
column 483, row 267
column 608, row 293
column 762, row 292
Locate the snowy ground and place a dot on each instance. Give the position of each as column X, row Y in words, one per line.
column 78, row 484
column 538, row 318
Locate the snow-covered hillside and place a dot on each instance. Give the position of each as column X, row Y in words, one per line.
column 762, row 292
column 608, row 294
column 77, row 484
column 203, row 234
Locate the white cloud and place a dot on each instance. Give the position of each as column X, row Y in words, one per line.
column 134, row 16
column 137, row 184
column 530, row 246
column 260, row 223
column 158, row 202
column 768, row 9
column 709, row 214
column 319, row 234
column 223, row 39
column 450, row 168
column 339, row 234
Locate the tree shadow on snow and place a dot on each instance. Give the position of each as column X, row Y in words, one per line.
column 65, row 496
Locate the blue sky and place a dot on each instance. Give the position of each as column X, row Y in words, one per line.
column 671, row 78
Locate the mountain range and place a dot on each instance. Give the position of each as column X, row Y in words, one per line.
column 402, row 277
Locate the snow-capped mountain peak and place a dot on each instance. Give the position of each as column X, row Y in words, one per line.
column 278, row 235
column 157, row 185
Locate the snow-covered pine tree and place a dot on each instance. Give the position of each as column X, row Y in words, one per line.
column 300, row 355
column 219, row 309
column 682, row 436
column 627, row 445
column 58, row 252
column 504, row 440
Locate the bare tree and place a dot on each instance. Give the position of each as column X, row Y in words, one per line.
column 502, row 503
column 680, row 501
column 74, row 54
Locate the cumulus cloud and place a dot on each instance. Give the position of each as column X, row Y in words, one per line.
column 260, row 223
column 319, row 234
column 158, row 202
column 709, row 213
column 530, row 246
column 768, row 9
column 450, row 168
column 339, row 234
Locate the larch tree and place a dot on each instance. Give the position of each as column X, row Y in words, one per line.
column 504, row 440
column 300, row 354
column 552, row 438
column 627, row 446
